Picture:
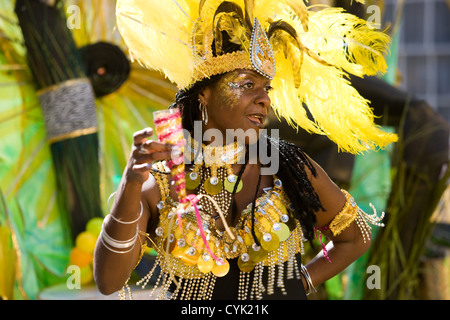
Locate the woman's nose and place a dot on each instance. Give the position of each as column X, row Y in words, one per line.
column 263, row 99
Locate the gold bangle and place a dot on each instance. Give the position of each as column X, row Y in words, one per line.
column 351, row 212
column 345, row 217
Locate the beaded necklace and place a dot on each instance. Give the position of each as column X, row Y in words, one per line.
column 213, row 158
column 212, row 173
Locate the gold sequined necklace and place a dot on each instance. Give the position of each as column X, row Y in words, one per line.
column 212, row 173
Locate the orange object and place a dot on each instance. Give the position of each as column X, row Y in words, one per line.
column 80, row 258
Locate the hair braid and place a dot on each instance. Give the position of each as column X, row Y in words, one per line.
column 292, row 173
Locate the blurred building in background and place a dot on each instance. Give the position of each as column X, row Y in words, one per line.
column 424, row 50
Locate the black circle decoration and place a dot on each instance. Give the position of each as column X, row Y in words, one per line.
column 106, row 66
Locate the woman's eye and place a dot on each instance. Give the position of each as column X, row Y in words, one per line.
column 247, row 85
column 268, row 88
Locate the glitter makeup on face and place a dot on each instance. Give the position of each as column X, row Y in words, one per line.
column 232, row 86
column 230, row 89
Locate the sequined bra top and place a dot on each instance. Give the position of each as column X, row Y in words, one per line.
column 182, row 253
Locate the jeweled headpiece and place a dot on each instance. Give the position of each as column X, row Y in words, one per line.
column 306, row 53
column 259, row 57
column 261, row 53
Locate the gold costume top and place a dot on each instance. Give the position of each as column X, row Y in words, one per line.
column 189, row 271
column 182, row 255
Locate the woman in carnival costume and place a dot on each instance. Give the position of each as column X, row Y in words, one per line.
column 227, row 224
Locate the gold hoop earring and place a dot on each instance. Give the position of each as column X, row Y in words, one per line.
column 204, row 113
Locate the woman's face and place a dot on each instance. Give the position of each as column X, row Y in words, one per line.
column 239, row 100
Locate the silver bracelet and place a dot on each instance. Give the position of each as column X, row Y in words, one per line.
column 120, row 221
column 119, row 244
column 116, row 251
column 111, row 243
column 305, row 273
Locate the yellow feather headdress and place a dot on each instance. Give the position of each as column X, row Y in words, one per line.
column 311, row 52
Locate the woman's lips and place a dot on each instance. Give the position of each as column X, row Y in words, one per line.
column 257, row 119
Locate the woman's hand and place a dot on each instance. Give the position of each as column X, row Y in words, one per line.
column 143, row 153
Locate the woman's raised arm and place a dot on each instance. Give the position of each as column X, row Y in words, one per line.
column 118, row 249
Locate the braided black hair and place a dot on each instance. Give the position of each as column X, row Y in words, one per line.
column 293, row 173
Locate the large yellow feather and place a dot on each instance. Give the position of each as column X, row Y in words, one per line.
column 338, row 109
column 348, row 41
column 157, row 34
